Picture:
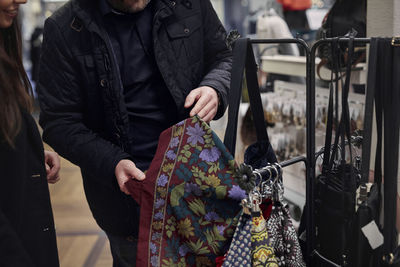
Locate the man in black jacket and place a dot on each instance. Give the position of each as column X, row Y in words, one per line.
column 113, row 75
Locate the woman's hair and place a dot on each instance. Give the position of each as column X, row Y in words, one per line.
column 15, row 88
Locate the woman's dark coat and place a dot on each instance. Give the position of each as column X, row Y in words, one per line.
column 27, row 234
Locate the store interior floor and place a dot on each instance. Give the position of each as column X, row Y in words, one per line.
column 81, row 243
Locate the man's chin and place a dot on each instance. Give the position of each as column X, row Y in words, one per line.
column 139, row 7
column 129, row 8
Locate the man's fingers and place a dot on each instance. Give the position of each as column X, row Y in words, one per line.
column 210, row 115
column 208, row 112
column 137, row 174
column 192, row 97
column 200, row 104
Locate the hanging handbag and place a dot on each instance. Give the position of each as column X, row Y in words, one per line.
column 370, row 247
column 284, row 237
column 337, row 184
column 240, row 249
column 387, row 80
column 369, row 200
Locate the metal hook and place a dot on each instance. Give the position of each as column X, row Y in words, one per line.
column 276, row 171
column 280, row 168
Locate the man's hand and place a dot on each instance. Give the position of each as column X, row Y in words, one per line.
column 206, row 99
column 52, row 163
column 125, row 171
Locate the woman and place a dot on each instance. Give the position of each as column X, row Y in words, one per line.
column 27, row 234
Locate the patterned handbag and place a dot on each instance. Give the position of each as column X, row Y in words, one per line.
column 251, row 244
column 284, row 237
column 189, row 201
column 262, row 252
column 239, row 253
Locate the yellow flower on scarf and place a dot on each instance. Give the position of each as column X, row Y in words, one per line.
column 185, row 228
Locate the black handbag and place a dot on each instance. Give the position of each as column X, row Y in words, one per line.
column 337, row 184
column 369, row 201
column 386, row 78
column 259, row 154
column 383, row 88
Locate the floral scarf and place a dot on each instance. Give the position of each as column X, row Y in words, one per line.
column 190, row 203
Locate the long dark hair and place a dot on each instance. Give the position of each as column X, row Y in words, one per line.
column 15, row 88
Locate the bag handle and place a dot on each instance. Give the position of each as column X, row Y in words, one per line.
column 344, row 125
column 391, row 95
column 328, row 134
column 368, row 115
column 243, row 59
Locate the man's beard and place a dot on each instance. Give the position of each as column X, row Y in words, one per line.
column 135, row 7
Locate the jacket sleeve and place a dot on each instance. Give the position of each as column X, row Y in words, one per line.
column 12, row 252
column 217, row 56
column 62, row 102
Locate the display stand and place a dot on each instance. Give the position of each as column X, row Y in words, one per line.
column 310, row 159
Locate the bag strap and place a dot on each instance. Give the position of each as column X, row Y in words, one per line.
column 345, row 105
column 369, row 112
column 329, row 123
column 344, row 125
column 243, row 59
column 391, row 145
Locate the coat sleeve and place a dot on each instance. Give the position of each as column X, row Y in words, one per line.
column 12, row 252
column 62, row 104
column 217, row 56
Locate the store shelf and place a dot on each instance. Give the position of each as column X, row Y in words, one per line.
column 296, row 66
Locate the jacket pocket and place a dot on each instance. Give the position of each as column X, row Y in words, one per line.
column 186, row 38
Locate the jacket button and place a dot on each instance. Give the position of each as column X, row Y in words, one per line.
column 117, row 136
column 186, row 30
column 103, row 83
column 173, row 3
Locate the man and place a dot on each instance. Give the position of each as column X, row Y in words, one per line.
column 113, row 75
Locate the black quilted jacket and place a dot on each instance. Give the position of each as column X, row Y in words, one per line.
column 83, row 113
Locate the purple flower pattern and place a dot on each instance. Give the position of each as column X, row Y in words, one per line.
column 171, row 155
column 154, row 261
column 237, row 193
column 210, row 155
column 156, row 236
column 193, row 188
column 162, row 180
column 174, row 142
column 195, row 134
column 153, row 248
column 211, row 216
column 159, row 203
column 183, row 250
column 221, row 229
column 159, row 216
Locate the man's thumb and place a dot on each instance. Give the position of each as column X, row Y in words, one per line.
column 137, row 174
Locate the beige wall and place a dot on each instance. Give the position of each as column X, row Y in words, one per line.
column 383, row 18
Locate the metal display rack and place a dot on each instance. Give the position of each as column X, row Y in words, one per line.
column 310, row 159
